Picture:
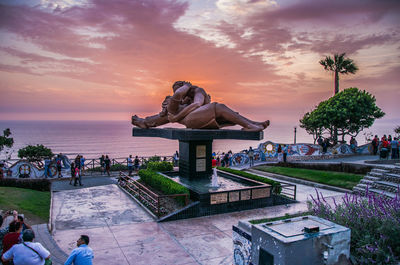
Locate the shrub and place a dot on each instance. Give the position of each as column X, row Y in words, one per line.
column 163, row 184
column 35, row 153
column 154, row 159
column 33, row 184
column 275, row 184
column 374, row 222
column 160, row 166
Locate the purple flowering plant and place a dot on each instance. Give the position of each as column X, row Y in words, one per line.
column 374, row 221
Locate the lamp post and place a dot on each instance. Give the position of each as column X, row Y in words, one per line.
column 295, row 131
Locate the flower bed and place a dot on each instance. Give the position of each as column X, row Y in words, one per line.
column 374, row 222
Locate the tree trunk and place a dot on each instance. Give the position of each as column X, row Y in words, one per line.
column 336, row 82
column 335, row 133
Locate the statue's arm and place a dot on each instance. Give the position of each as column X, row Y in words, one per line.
column 175, row 101
column 198, row 101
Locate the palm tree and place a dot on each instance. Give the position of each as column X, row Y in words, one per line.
column 339, row 65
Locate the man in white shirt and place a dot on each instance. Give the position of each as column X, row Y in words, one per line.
column 28, row 252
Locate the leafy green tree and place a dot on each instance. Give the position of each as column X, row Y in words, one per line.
column 35, row 153
column 349, row 111
column 339, row 65
column 312, row 124
column 6, row 140
column 352, row 110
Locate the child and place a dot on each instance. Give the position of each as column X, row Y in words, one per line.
column 77, row 176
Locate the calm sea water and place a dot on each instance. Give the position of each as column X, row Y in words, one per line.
column 93, row 138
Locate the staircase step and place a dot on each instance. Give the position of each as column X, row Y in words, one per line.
column 388, row 183
column 379, row 170
column 397, row 176
column 368, row 177
column 367, row 181
column 357, row 189
column 385, row 193
column 376, row 174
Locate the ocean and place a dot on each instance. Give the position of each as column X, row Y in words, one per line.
column 114, row 138
column 94, row 138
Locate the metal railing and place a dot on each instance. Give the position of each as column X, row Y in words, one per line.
column 92, row 163
column 286, row 189
column 151, row 200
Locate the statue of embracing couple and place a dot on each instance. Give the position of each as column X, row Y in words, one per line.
column 191, row 106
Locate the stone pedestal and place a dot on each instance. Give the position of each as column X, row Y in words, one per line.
column 195, row 146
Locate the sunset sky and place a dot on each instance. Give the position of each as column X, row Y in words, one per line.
column 110, row 59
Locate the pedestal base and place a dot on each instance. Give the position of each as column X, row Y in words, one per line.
column 195, row 146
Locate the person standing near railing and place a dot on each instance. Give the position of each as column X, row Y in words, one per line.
column 137, row 163
column 130, row 165
column 47, row 162
column 102, row 165
column 107, row 163
column 82, row 162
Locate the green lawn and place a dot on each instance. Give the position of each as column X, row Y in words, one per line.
column 337, row 179
column 35, row 205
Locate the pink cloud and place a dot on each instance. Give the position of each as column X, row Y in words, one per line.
column 142, row 53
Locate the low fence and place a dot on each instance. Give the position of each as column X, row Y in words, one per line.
column 286, row 189
column 95, row 162
column 154, row 202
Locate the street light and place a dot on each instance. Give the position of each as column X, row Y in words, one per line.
column 295, row 130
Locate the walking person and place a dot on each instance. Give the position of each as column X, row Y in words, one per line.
column 107, row 163
column 130, row 165
column 77, row 176
column 250, row 153
column 83, row 254
column 28, row 252
column 72, row 179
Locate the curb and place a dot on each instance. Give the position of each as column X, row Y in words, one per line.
column 299, row 181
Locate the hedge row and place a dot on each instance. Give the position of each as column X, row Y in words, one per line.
column 160, row 166
column 163, row 184
column 244, row 174
column 33, row 184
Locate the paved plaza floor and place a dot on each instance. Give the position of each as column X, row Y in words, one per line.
column 121, row 232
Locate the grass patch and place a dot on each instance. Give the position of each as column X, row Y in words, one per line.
column 286, row 216
column 33, row 204
column 337, row 179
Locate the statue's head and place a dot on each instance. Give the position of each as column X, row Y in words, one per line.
column 177, row 85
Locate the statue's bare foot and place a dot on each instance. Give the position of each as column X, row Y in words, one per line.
column 265, row 124
column 253, row 128
column 139, row 122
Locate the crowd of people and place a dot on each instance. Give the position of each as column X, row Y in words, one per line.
column 16, row 238
column 17, row 244
column 386, row 146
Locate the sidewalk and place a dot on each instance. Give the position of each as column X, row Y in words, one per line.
column 121, row 232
